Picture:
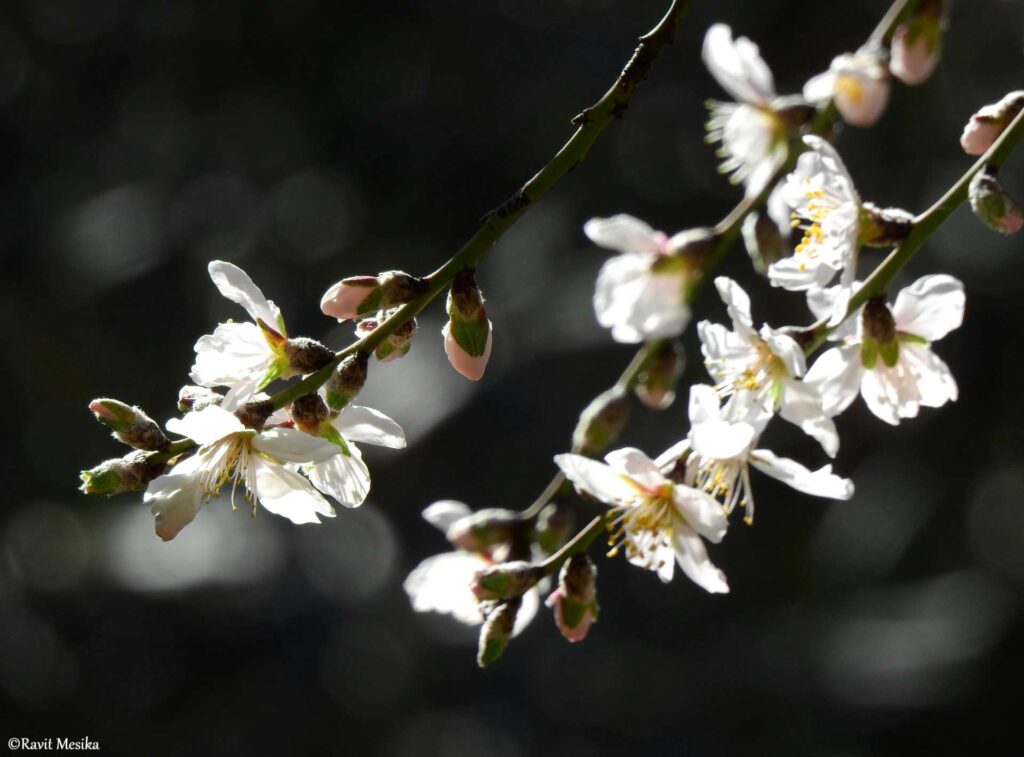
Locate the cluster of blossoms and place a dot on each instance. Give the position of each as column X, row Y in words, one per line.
column 295, row 451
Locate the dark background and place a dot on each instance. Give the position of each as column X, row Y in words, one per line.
column 310, row 140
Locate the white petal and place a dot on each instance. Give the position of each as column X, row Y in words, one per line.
column 623, row 233
column 785, row 347
column 442, row 514
column 286, row 493
column 836, row 377
column 935, row 383
column 801, row 406
column 693, row 558
column 820, row 87
column 737, row 303
column 289, row 445
column 596, row 479
column 931, row 307
column 638, row 304
column 820, row 483
column 364, row 424
column 672, row 454
column 344, row 477
column 891, row 393
column 722, row 440
column 704, row 404
column 175, row 497
column 235, row 353
column 796, row 274
column 235, row 284
column 702, row 512
column 737, row 66
column 527, row 611
column 207, row 425
column 635, row 464
column 442, row 584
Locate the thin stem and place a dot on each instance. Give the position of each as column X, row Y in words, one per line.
column 925, row 225
column 579, row 543
column 884, row 31
column 590, row 123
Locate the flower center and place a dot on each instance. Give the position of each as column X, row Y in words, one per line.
column 229, row 459
column 643, row 527
column 728, row 481
column 757, row 372
column 849, row 87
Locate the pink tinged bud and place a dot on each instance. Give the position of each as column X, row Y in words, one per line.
column 472, row 367
column 914, row 55
column 861, row 97
column 992, row 204
column 348, row 298
column 572, row 618
column 989, row 122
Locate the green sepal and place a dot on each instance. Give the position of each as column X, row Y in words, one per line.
column 903, row 336
column 869, row 353
column 890, row 352
column 471, row 336
column 572, row 612
column 331, row 434
column 491, row 649
column 372, row 302
column 275, row 371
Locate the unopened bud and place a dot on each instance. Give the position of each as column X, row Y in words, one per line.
column 992, row 204
column 656, row 384
column 254, row 414
column 398, row 288
column 306, row 355
column 396, row 344
column 988, row 123
column 915, row 52
column 483, row 530
column 130, row 473
column 883, row 227
column 346, row 381
column 575, row 599
column 308, row 412
column 879, row 328
column 506, row 580
column 194, row 398
column 497, row 630
column 764, row 241
column 130, row 425
column 553, row 526
column 468, row 333
column 351, row 297
column 601, row 422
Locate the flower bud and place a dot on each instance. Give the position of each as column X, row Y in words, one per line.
column 497, row 630
column 656, row 384
column 130, row 473
column 346, row 381
column 553, row 526
column 468, row 333
column 883, row 227
column 308, row 412
column 764, row 241
column 992, row 204
column 575, row 599
column 193, row 398
column 483, row 530
column 988, row 123
column 879, row 329
column 398, row 342
column 915, row 52
column 254, row 414
column 601, row 422
column 131, row 426
column 358, row 295
column 506, row 580
column 306, row 355
column 859, row 85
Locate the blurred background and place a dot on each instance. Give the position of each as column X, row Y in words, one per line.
column 310, row 140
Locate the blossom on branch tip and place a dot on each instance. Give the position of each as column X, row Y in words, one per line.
column 827, row 208
column 641, row 293
column 886, row 354
column 468, row 334
column 762, row 368
column 858, row 84
column 751, row 131
column 655, row 522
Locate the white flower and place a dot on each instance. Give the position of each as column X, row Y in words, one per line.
column 231, row 453
column 886, row 354
column 762, row 368
column 641, row 293
column 859, row 85
column 265, row 464
column 659, row 523
column 720, row 450
column 827, row 207
column 243, row 356
column 752, row 136
column 441, row 583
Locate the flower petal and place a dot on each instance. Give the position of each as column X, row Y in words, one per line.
column 364, row 424
column 596, row 479
column 344, row 477
column 445, row 512
column 801, row 406
column 737, row 66
column 692, row 557
column 819, row 483
column 635, row 464
column 931, row 307
column 737, row 303
column 235, row 284
column 175, row 497
column 702, row 512
column 207, row 425
column 286, row 493
column 623, row 233
column 836, row 378
column 289, row 445
column 442, row 584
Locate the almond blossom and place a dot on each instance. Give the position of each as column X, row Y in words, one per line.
column 641, row 293
column 442, row 583
column 266, row 465
column 762, row 368
column 827, row 208
column 886, row 355
column 721, row 448
column 657, row 522
column 243, row 356
column 858, row 84
column 752, row 135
